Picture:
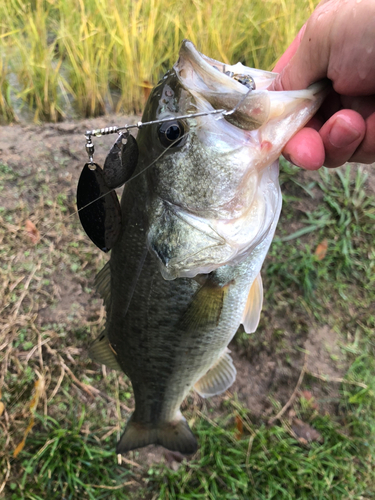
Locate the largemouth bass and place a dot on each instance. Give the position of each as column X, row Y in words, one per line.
column 198, row 217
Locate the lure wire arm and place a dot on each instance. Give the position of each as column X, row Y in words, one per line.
column 90, row 149
column 113, row 130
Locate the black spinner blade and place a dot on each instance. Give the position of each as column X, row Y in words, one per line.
column 98, row 208
column 121, row 161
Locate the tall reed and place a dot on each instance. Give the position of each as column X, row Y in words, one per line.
column 102, row 55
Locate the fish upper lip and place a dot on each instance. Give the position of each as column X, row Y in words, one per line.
column 202, row 63
column 209, row 66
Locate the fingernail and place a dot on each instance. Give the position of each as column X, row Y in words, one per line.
column 290, row 159
column 308, row 166
column 342, row 133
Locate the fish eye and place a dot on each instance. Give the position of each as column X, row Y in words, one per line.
column 171, row 134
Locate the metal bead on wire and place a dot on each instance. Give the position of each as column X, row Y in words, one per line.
column 102, row 131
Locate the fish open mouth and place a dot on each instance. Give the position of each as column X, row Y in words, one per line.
column 240, row 89
column 234, row 88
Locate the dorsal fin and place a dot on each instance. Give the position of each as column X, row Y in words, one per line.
column 103, row 284
column 218, row 378
column 251, row 315
column 102, row 352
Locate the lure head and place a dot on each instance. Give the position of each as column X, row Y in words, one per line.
column 213, row 191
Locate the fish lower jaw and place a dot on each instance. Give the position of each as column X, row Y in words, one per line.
column 171, row 273
column 191, row 268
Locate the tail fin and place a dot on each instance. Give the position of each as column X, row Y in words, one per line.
column 175, row 436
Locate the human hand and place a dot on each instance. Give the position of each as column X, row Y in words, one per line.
column 337, row 42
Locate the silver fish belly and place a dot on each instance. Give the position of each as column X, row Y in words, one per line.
column 198, row 217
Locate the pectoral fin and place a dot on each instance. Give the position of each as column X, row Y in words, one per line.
column 205, row 308
column 101, row 352
column 218, row 378
column 251, row 315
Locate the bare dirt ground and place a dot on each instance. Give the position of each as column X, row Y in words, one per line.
column 269, row 367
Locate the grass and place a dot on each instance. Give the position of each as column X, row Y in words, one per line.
column 267, row 463
column 65, row 464
column 62, row 58
column 345, row 219
column 73, row 412
column 6, row 110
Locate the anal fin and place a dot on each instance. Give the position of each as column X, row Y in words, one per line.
column 251, row 315
column 218, row 378
column 101, row 352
